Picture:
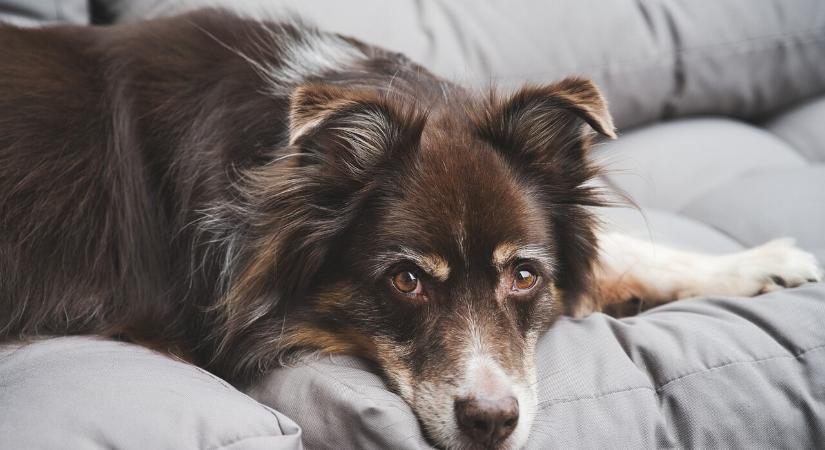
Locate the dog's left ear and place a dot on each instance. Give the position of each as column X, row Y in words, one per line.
column 548, row 123
column 545, row 132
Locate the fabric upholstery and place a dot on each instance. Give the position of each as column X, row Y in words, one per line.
column 38, row 12
column 88, row 393
column 654, row 59
column 700, row 373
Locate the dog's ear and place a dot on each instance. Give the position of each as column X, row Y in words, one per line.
column 310, row 194
column 545, row 132
column 549, row 125
column 288, row 213
column 350, row 130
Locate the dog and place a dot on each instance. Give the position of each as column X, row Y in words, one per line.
column 244, row 193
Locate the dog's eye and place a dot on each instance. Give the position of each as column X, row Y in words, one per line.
column 406, row 282
column 524, row 279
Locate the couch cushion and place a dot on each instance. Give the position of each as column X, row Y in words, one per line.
column 698, row 373
column 666, row 228
column 79, row 392
column 654, row 59
column 762, row 205
column 801, row 126
column 667, row 166
column 743, row 57
column 38, row 12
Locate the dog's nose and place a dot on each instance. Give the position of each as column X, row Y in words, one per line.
column 487, row 421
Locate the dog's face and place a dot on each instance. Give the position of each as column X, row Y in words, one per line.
column 440, row 243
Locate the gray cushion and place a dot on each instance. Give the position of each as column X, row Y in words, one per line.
column 801, row 127
column 667, row 166
column 80, row 392
column 742, row 58
column 699, row 373
column 38, row 12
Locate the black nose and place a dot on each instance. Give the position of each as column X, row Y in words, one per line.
column 487, row 421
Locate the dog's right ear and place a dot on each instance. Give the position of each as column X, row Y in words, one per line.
column 350, row 130
column 301, row 201
column 311, row 192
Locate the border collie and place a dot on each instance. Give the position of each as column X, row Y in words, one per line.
column 241, row 193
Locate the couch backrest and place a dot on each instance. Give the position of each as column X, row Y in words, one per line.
column 655, row 59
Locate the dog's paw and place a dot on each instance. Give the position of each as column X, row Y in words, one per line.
column 775, row 265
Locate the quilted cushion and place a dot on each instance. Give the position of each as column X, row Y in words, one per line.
column 83, row 392
column 37, row 12
column 747, row 183
column 700, row 373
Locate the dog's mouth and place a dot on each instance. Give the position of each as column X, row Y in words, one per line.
column 485, row 408
column 469, row 396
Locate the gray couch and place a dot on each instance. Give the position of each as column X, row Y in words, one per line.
column 721, row 108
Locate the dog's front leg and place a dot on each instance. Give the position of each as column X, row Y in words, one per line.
column 630, row 268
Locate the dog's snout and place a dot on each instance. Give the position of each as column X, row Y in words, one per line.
column 487, row 421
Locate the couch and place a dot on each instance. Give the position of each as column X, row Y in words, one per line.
column 721, row 111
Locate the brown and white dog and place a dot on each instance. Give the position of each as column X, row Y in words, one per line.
column 242, row 192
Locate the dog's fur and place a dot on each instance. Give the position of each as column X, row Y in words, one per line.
column 239, row 193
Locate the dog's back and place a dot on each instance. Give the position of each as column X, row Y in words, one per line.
column 110, row 140
column 115, row 145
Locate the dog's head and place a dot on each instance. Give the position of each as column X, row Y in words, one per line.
column 435, row 242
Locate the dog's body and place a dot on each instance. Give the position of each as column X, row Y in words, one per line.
column 237, row 192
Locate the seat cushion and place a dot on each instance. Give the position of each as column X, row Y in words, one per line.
column 739, row 182
column 39, row 12
column 89, row 393
column 698, row 373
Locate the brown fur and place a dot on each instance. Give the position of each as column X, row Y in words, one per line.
column 160, row 183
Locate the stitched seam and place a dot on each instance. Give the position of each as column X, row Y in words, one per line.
column 548, row 403
column 251, row 436
column 228, row 386
column 735, row 363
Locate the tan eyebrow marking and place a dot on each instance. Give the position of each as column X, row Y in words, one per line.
column 435, row 265
column 506, row 252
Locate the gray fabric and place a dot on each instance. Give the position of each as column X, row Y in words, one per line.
column 709, row 373
column 745, row 57
column 667, row 166
column 654, row 59
column 88, row 393
column 762, row 205
column 37, row 12
column 803, row 128
column 666, row 228
column 700, row 373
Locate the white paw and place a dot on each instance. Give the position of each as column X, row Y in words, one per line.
column 775, row 265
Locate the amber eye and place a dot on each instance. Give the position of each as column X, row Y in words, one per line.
column 406, row 282
column 524, row 279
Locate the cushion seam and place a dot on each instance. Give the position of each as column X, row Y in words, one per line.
column 548, row 403
column 734, row 363
column 243, row 438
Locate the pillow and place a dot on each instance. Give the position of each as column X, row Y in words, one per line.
column 84, row 392
column 697, row 373
column 38, row 12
